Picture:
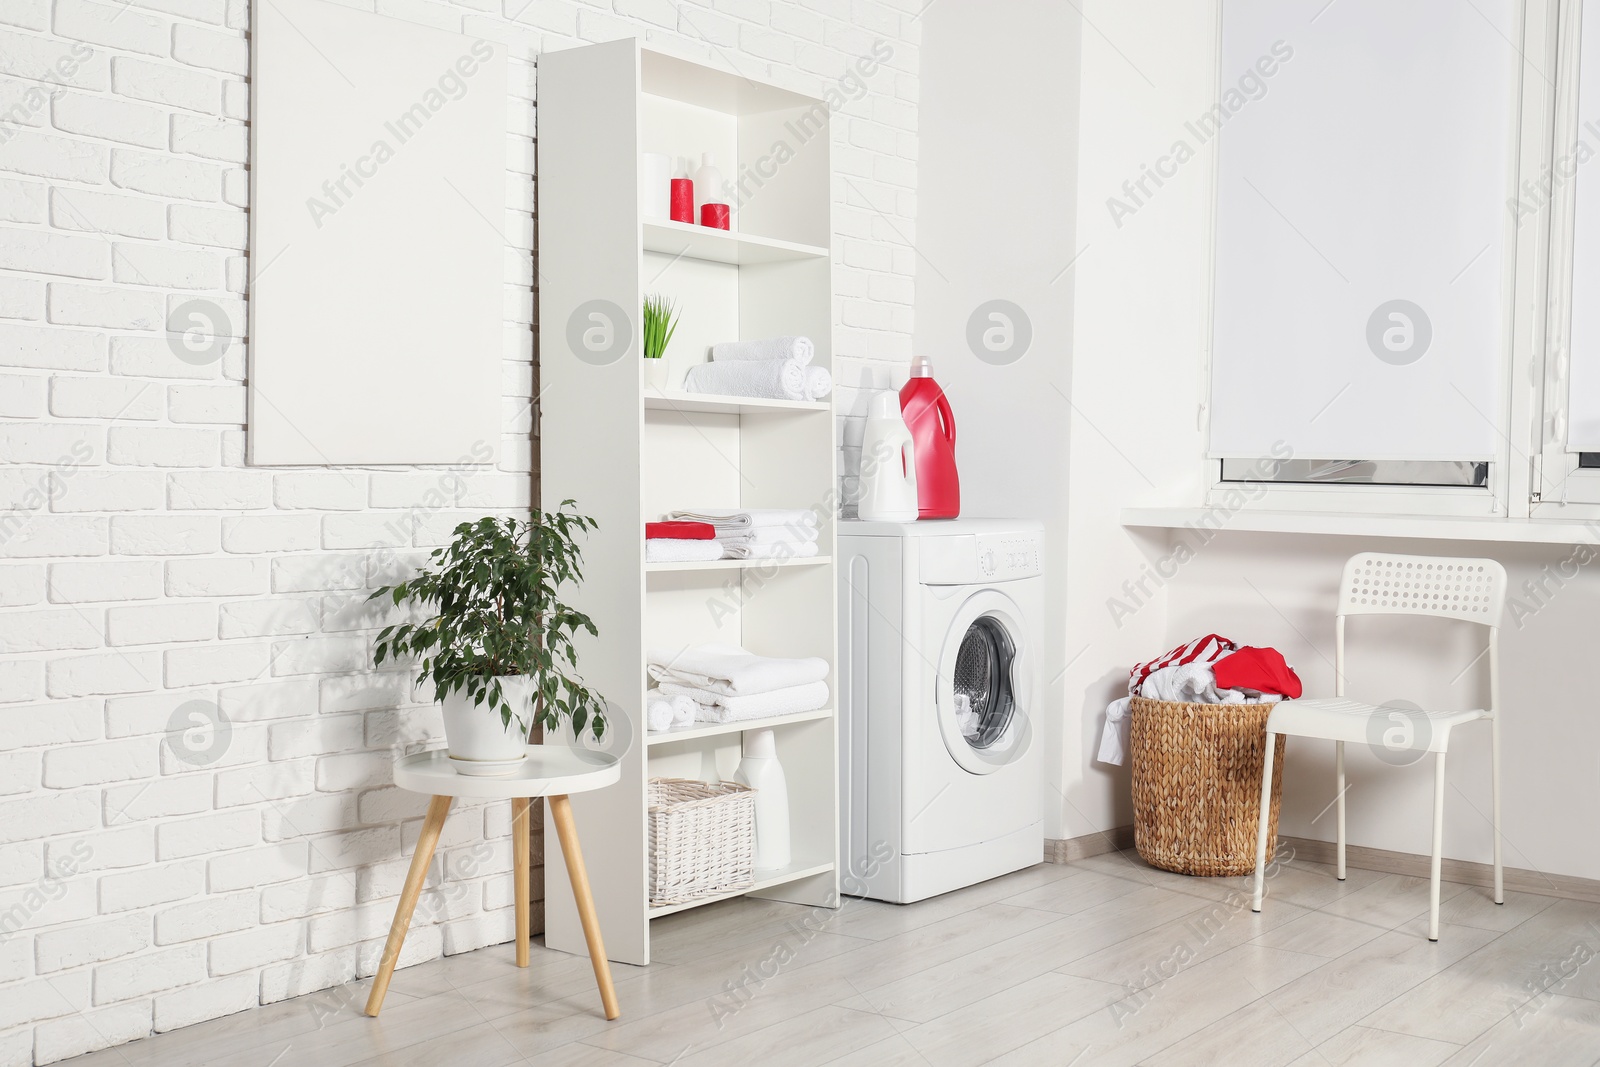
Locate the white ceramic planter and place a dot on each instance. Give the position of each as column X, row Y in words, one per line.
column 475, row 732
column 655, row 375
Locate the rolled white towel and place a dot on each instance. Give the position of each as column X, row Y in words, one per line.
column 680, row 550
column 819, row 383
column 769, row 379
column 658, row 714
column 799, row 349
column 683, row 710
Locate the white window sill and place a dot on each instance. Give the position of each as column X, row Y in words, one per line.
column 1439, row 528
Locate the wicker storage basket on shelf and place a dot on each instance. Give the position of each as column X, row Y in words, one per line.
column 1197, row 785
column 702, row 839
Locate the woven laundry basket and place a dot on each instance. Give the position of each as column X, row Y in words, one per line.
column 702, row 839
column 1197, row 784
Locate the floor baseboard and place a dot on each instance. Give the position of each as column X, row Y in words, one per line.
column 1116, row 839
column 1465, row 872
column 1407, row 864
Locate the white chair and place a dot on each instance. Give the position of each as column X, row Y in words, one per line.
column 1382, row 584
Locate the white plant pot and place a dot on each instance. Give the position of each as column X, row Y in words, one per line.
column 655, row 375
column 475, row 732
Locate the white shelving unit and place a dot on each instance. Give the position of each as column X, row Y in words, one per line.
column 627, row 457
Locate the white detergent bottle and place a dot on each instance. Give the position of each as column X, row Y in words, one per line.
column 761, row 771
column 888, row 464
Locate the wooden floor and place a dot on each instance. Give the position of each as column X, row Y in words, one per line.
column 1105, row 961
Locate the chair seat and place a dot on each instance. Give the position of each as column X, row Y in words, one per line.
column 1378, row 725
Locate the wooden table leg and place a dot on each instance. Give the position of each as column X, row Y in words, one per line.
column 438, row 808
column 522, row 858
column 567, row 832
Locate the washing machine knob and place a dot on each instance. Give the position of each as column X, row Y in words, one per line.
column 986, row 561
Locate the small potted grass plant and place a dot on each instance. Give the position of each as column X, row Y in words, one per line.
column 660, row 321
column 499, row 649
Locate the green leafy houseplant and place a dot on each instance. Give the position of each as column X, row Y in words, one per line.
column 660, row 321
column 496, row 593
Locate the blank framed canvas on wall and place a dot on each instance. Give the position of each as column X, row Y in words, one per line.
column 376, row 257
column 1365, row 158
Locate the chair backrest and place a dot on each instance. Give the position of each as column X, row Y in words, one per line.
column 1446, row 587
column 1450, row 587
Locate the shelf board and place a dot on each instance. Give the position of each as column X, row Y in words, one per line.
column 764, row 880
column 737, row 564
column 715, row 404
column 1426, row 527
column 715, row 729
column 688, row 241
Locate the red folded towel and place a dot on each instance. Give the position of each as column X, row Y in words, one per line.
column 681, row 531
column 1261, row 669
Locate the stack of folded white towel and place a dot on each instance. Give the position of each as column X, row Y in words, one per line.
column 728, row 684
column 761, row 533
column 778, row 368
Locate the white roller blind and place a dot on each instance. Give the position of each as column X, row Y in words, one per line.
column 1583, row 398
column 1362, row 226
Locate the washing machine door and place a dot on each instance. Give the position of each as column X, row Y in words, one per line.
column 984, row 688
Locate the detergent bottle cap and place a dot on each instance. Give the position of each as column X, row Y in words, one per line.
column 884, row 405
column 921, row 367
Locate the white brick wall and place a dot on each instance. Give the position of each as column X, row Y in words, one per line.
column 150, row 580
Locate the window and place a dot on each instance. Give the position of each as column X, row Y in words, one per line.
column 1386, row 271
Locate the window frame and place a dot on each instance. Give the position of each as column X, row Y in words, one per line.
column 1560, row 486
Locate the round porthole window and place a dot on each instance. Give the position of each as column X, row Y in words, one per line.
column 984, row 702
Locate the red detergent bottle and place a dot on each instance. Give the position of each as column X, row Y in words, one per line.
column 933, row 429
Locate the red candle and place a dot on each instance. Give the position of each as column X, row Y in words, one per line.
column 714, row 215
column 682, row 200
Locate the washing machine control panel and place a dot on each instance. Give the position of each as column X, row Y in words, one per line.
column 975, row 559
column 1005, row 556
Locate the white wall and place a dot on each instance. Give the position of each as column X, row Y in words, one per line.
column 143, row 566
column 997, row 196
column 1140, row 306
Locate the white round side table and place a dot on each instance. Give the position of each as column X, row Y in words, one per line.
column 549, row 771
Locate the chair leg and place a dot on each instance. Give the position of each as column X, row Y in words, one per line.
column 1262, row 820
column 1494, row 751
column 1338, row 767
column 1438, row 846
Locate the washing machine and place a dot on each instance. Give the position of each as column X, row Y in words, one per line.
column 940, row 758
